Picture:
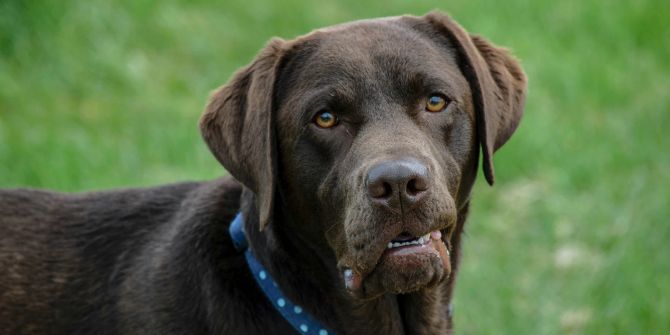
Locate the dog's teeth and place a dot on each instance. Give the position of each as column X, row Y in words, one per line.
column 419, row 241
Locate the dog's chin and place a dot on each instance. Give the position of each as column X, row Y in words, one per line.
column 407, row 269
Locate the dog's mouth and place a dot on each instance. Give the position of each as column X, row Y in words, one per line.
column 408, row 263
column 405, row 240
column 405, row 245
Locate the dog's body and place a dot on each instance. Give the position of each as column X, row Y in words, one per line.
column 111, row 262
column 347, row 143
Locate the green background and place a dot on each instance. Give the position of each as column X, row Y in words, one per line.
column 571, row 240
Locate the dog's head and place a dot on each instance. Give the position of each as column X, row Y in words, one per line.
column 369, row 133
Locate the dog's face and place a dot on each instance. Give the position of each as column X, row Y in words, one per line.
column 370, row 132
column 373, row 140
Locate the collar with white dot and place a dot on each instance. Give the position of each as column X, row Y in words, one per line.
column 302, row 321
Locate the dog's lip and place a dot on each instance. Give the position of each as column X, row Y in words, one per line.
column 404, row 236
column 354, row 278
column 413, row 266
column 406, row 240
column 405, row 244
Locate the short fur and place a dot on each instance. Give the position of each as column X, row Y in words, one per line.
column 160, row 261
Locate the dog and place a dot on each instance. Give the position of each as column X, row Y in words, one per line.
column 353, row 151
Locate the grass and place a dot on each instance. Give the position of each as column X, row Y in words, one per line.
column 571, row 240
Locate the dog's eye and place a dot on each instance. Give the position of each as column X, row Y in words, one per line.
column 325, row 119
column 436, row 103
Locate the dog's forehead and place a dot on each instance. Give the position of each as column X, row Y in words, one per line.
column 382, row 35
column 363, row 64
column 364, row 51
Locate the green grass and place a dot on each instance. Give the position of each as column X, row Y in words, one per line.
column 571, row 240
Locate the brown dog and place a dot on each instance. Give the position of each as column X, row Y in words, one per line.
column 355, row 148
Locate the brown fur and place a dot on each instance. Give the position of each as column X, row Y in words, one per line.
column 160, row 260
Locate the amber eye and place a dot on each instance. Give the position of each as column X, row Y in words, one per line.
column 325, row 119
column 436, row 103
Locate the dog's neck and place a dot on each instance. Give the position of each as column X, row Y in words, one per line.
column 309, row 278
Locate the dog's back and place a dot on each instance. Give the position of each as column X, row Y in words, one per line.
column 65, row 258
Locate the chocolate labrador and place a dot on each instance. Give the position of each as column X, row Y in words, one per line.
column 353, row 151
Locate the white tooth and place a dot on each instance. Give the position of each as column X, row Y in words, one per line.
column 389, row 246
column 396, row 244
column 421, row 240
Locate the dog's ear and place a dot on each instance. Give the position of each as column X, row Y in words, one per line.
column 497, row 82
column 238, row 127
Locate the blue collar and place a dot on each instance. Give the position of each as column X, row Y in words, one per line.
column 302, row 321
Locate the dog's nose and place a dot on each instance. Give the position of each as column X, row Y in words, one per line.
column 398, row 184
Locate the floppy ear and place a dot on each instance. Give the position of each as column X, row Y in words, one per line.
column 497, row 82
column 238, row 127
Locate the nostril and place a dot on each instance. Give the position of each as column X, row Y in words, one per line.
column 380, row 189
column 411, row 187
column 416, row 186
column 388, row 190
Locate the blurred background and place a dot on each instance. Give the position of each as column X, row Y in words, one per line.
column 571, row 240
